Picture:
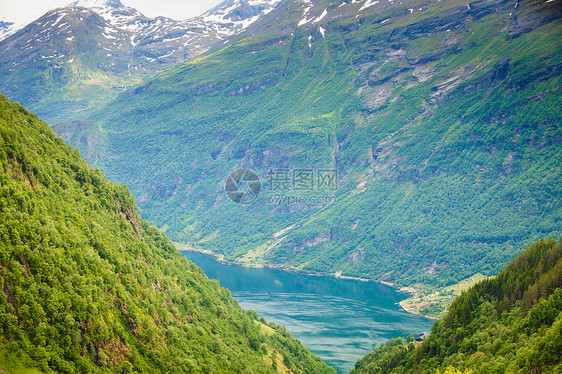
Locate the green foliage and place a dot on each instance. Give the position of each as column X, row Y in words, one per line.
column 89, row 287
column 452, row 370
column 509, row 324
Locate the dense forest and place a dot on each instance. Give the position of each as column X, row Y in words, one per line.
column 89, row 287
column 509, row 324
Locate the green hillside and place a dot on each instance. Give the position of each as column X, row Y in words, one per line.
column 441, row 119
column 509, row 324
column 90, row 287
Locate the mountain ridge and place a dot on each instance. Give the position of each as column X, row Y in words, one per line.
column 116, row 51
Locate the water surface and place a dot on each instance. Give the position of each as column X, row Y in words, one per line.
column 339, row 320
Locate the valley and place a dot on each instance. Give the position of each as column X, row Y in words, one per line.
column 346, row 174
column 338, row 320
column 430, row 110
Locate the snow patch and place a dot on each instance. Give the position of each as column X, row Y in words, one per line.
column 368, row 3
column 166, row 55
column 305, row 20
column 318, row 19
column 225, row 20
column 58, row 19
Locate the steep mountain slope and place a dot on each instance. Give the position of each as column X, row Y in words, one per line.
column 441, row 119
column 510, row 324
column 82, row 55
column 89, row 287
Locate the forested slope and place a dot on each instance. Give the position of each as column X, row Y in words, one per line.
column 89, row 287
column 508, row 324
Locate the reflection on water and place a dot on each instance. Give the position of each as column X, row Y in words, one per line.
column 339, row 320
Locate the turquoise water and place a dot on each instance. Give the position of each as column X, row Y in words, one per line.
column 337, row 319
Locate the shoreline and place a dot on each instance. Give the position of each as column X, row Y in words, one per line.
column 416, row 313
column 220, row 258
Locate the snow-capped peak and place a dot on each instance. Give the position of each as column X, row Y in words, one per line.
column 232, row 16
column 98, row 3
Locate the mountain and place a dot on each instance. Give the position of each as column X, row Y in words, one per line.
column 509, row 324
column 90, row 287
column 80, row 56
column 232, row 16
column 415, row 143
column 14, row 22
column 7, row 28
